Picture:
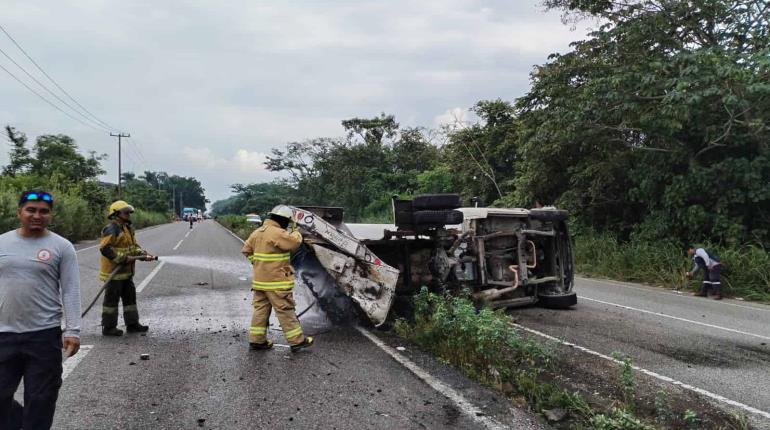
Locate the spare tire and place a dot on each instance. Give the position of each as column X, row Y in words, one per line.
column 438, row 217
column 436, row 201
column 548, row 214
column 404, row 218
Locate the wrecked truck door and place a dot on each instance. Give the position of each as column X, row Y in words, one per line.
column 358, row 272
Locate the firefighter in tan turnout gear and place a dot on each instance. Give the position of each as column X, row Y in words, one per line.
column 119, row 252
column 269, row 249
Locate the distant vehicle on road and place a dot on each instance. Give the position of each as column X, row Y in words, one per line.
column 189, row 212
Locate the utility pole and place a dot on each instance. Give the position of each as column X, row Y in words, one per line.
column 120, row 172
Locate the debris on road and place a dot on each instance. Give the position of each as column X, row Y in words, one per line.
column 145, row 356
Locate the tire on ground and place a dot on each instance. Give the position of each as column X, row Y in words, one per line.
column 548, row 214
column 438, row 217
column 436, row 201
column 562, row 301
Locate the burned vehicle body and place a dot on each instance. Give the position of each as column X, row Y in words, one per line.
column 503, row 257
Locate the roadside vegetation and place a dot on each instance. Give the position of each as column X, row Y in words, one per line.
column 55, row 164
column 746, row 275
column 485, row 346
column 652, row 131
column 237, row 224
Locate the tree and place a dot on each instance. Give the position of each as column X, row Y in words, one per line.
column 483, row 155
column 19, row 157
column 58, row 154
column 657, row 125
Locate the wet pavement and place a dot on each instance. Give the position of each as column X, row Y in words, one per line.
column 201, row 374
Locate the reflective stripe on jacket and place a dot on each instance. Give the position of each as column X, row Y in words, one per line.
column 117, row 242
column 269, row 249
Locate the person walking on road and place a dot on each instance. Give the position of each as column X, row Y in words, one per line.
column 269, row 249
column 119, row 252
column 39, row 282
column 712, row 268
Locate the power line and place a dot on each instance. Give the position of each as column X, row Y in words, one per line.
column 54, row 82
column 51, row 92
column 48, row 101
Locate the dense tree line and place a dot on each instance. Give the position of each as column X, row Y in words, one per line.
column 654, row 127
column 54, row 163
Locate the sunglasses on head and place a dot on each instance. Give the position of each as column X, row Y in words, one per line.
column 36, row 196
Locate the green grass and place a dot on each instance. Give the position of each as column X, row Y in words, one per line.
column 237, row 224
column 746, row 273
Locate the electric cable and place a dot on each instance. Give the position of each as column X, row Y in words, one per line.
column 53, row 81
column 43, row 86
column 48, row 101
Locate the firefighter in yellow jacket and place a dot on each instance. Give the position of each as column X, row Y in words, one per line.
column 119, row 252
column 269, row 249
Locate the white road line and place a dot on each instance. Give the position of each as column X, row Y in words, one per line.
column 655, row 375
column 231, row 233
column 658, row 290
column 676, row 318
column 86, row 249
column 149, row 277
column 177, row 245
column 462, row 404
column 69, row 364
column 188, row 233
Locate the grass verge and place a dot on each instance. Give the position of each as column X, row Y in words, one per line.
column 483, row 345
column 237, row 224
column 746, row 273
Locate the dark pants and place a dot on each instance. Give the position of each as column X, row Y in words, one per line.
column 37, row 357
column 113, row 294
column 712, row 279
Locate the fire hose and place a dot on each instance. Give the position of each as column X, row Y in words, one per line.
column 107, row 282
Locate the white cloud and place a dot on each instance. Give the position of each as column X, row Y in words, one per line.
column 242, row 162
column 207, row 88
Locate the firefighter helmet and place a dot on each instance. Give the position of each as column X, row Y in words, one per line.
column 118, row 206
column 282, row 211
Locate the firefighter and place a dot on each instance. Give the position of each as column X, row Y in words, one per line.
column 269, row 249
column 120, row 252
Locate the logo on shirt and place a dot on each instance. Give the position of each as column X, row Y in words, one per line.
column 44, row 255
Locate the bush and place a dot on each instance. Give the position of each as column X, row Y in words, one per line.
column 79, row 210
column 237, row 224
column 482, row 343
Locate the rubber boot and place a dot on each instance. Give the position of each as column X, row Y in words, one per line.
column 260, row 346
column 717, row 290
column 704, row 290
column 112, row 331
column 137, row 328
column 305, row 343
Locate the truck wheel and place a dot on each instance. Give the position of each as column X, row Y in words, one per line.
column 438, row 217
column 548, row 214
column 562, row 301
column 436, row 201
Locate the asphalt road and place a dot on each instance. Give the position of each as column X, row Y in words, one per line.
column 201, row 374
column 718, row 346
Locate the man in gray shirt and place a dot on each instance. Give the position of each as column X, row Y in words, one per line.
column 38, row 277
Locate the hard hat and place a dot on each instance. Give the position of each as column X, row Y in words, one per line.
column 282, row 211
column 119, row 206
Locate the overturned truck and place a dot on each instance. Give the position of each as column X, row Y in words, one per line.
column 503, row 257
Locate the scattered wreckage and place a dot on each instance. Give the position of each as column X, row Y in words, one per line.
column 504, row 257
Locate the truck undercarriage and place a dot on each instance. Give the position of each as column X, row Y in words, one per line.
column 502, row 257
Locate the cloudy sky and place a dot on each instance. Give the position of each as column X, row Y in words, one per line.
column 207, row 88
